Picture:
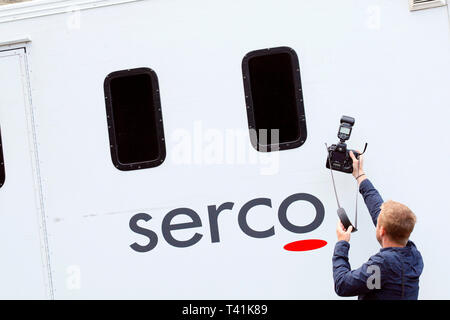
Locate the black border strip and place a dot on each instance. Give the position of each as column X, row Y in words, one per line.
column 176, row 309
column 158, row 117
column 2, row 163
column 298, row 91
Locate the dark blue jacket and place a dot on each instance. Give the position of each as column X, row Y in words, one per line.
column 399, row 268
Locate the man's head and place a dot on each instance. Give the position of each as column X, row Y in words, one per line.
column 395, row 223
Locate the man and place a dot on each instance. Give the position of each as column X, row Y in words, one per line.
column 393, row 273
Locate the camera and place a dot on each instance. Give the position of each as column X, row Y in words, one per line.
column 338, row 155
column 339, row 159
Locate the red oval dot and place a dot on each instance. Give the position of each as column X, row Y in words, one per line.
column 305, row 245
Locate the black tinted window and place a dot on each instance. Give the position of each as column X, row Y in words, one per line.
column 274, row 97
column 134, row 119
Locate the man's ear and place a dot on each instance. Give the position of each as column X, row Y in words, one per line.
column 382, row 231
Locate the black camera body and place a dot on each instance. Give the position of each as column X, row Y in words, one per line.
column 338, row 155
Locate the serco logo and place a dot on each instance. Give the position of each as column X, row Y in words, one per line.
column 214, row 211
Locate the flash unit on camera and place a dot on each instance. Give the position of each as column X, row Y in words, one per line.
column 345, row 129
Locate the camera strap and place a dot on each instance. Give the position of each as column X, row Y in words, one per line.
column 332, row 178
column 357, row 190
column 357, row 195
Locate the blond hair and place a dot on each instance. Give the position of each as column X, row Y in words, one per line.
column 398, row 220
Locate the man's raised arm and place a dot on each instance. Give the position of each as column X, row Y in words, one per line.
column 371, row 196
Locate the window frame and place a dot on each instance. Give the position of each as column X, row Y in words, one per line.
column 298, row 98
column 414, row 5
column 158, row 119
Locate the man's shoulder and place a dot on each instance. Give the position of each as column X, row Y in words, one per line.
column 385, row 260
column 385, row 256
column 415, row 253
column 379, row 258
column 411, row 245
column 393, row 257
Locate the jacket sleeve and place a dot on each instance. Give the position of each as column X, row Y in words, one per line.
column 349, row 282
column 372, row 198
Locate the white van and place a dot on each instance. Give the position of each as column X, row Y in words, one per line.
column 179, row 201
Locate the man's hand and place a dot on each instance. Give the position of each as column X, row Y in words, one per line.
column 343, row 234
column 358, row 170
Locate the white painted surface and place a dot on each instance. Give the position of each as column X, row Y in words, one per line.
column 42, row 8
column 21, row 267
column 373, row 60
